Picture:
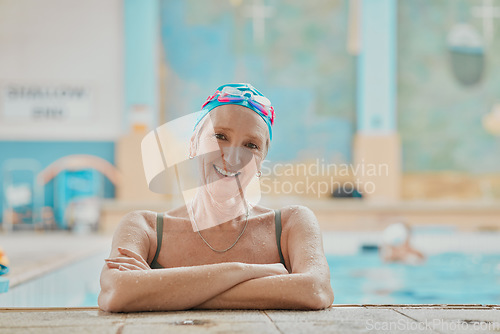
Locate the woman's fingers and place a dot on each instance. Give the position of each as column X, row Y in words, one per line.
column 129, row 266
column 112, row 265
column 133, row 254
column 128, row 260
column 122, row 266
column 122, row 260
column 280, row 268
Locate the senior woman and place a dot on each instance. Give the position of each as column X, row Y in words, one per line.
column 219, row 251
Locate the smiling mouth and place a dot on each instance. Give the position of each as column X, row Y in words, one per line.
column 224, row 173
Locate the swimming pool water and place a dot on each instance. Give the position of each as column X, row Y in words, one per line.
column 75, row 285
column 446, row 278
column 362, row 278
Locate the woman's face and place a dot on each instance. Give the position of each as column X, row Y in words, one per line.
column 231, row 144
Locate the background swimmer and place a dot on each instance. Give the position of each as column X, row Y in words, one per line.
column 396, row 245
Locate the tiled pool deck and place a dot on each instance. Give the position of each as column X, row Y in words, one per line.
column 336, row 319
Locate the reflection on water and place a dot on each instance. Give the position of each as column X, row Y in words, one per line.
column 447, row 278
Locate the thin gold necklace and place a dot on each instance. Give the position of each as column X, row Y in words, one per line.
column 239, row 236
column 218, row 250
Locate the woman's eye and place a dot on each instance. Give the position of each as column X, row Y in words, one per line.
column 252, row 146
column 220, row 136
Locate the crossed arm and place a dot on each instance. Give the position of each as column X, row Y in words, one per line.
column 128, row 284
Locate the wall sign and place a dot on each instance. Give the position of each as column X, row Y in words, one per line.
column 55, row 104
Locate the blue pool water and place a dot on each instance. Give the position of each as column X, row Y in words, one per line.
column 362, row 278
column 446, row 278
column 75, row 285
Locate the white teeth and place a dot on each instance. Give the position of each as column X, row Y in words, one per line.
column 223, row 172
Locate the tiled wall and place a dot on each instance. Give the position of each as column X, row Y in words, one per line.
column 302, row 65
column 439, row 118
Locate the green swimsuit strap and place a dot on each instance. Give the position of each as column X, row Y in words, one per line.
column 277, row 223
column 159, row 235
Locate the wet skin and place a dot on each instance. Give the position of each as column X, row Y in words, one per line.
column 248, row 275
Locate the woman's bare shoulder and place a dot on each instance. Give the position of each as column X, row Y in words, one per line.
column 138, row 224
column 297, row 213
column 287, row 212
column 142, row 219
column 259, row 209
column 295, row 210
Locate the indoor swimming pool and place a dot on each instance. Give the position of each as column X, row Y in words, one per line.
column 450, row 275
column 446, row 278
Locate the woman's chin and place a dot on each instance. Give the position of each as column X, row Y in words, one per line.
column 222, row 193
column 223, row 188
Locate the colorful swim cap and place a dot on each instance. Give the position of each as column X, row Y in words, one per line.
column 242, row 94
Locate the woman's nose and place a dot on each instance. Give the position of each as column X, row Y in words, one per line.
column 236, row 156
column 231, row 155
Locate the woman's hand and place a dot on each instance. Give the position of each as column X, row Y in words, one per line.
column 270, row 269
column 129, row 260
